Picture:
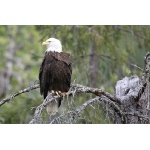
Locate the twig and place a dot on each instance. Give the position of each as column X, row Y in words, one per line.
column 115, row 106
column 137, row 67
column 77, row 111
column 38, row 111
column 18, row 93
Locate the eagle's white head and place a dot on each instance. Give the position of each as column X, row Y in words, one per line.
column 53, row 45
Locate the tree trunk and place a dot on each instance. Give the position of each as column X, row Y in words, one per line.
column 6, row 74
column 133, row 95
column 93, row 64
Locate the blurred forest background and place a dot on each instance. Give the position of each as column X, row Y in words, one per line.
column 101, row 55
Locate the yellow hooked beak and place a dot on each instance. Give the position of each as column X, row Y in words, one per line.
column 45, row 43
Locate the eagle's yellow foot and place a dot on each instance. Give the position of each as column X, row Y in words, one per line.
column 57, row 93
column 52, row 91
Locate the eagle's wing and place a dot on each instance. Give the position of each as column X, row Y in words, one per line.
column 45, row 76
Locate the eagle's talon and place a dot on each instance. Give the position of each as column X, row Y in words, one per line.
column 52, row 91
column 57, row 93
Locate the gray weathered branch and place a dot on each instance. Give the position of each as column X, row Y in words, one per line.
column 98, row 92
column 74, row 114
column 79, row 89
column 19, row 93
column 38, row 111
column 75, row 89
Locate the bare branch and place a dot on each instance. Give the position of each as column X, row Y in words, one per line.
column 38, row 111
column 74, row 114
column 98, row 92
column 75, row 89
column 79, row 89
column 18, row 93
column 137, row 67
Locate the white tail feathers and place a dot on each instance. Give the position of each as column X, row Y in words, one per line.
column 52, row 107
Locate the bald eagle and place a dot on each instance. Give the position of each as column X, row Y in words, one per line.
column 55, row 73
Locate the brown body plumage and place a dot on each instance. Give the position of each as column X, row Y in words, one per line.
column 55, row 75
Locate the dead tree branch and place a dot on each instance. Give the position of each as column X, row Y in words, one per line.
column 38, row 111
column 75, row 89
column 78, row 89
column 19, row 93
column 74, row 114
column 98, row 92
